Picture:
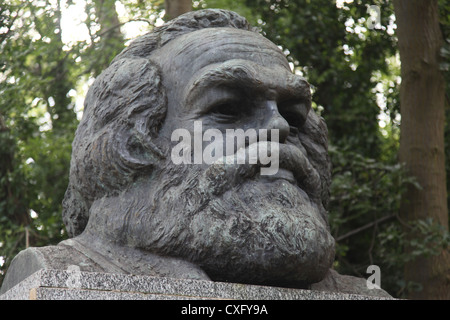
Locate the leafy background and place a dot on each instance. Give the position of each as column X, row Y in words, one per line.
column 354, row 71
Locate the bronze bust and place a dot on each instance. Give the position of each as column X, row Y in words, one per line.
column 130, row 208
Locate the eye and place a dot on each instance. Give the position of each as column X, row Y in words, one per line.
column 228, row 111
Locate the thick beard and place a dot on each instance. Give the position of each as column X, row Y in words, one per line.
column 270, row 234
column 237, row 227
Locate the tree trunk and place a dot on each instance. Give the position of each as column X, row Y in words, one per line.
column 174, row 8
column 422, row 100
column 111, row 38
column 108, row 19
column 60, row 85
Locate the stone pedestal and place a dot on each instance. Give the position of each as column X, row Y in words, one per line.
column 48, row 284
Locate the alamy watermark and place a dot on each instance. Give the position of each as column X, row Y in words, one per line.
column 238, row 147
column 74, row 279
column 373, row 281
column 374, row 19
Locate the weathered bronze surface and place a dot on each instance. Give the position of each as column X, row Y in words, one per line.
column 130, row 209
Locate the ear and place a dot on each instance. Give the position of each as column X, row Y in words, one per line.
column 136, row 152
column 140, row 103
column 145, row 115
column 136, row 102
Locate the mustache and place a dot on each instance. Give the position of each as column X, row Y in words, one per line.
column 247, row 163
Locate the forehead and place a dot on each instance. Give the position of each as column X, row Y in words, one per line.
column 188, row 54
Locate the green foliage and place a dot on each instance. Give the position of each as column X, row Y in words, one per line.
column 365, row 200
column 430, row 238
column 37, row 124
column 350, row 67
column 237, row 6
column 400, row 243
column 39, row 76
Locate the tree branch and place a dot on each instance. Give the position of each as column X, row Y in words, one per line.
column 365, row 227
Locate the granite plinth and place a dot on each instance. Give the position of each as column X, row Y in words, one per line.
column 48, row 284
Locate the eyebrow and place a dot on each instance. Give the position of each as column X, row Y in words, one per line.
column 235, row 75
column 240, row 75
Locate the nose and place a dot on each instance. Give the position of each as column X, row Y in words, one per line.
column 275, row 121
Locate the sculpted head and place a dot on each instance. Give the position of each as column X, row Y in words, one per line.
column 235, row 223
